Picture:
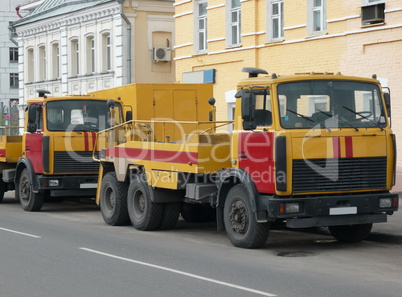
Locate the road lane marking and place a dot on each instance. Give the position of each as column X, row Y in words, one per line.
column 20, row 233
column 180, row 272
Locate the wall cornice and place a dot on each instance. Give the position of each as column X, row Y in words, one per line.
column 153, row 6
column 55, row 24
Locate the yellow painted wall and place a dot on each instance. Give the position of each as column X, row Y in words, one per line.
column 346, row 46
column 146, row 70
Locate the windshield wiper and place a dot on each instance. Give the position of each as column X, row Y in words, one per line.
column 340, row 119
column 301, row 115
column 363, row 117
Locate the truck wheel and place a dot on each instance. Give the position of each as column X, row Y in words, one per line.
column 113, row 200
column 29, row 200
column 350, row 233
column 240, row 223
column 144, row 214
column 170, row 216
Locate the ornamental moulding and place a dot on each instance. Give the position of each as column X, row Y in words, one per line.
column 74, row 20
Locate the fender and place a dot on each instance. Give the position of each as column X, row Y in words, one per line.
column 21, row 165
column 226, row 179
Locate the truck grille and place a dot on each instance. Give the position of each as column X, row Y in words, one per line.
column 325, row 175
column 71, row 162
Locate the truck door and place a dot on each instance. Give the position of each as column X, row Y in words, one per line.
column 34, row 137
column 256, row 148
column 256, row 157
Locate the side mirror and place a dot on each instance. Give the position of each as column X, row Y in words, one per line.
column 129, row 115
column 32, row 128
column 387, row 98
column 32, row 114
column 248, row 110
column 110, row 103
column 212, row 101
column 33, row 111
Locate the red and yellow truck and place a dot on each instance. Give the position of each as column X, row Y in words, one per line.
column 53, row 156
column 312, row 150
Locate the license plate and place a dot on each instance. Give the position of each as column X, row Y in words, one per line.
column 88, row 186
column 342, row 210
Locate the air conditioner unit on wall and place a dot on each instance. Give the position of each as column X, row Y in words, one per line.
column 373, row 14
column 161, row 54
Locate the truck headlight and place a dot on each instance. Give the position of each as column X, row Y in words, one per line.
column 289, row 208
column 385, row 202
column 53, row 183
column 292, row 207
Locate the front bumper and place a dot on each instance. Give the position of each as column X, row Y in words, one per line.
column 331, row 210
column 69, row 185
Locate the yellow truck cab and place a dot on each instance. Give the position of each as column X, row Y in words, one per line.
column 55, row 151
column 316, row 150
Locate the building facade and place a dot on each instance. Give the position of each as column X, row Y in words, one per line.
column 354, row 37
column 80, row 46
column 8, row 66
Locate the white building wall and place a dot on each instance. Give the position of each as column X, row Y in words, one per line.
column 91, row 22
column 7, row 14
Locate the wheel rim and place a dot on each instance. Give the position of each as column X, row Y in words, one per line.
column 110, row 199
column 238, row 217
column 25, row 191
column 139, row 203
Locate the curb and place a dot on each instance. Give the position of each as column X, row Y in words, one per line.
column 384, row 238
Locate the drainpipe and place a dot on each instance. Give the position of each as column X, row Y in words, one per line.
column 11, row 34
column 128, row 41
column 18, row 11
column 11, row 28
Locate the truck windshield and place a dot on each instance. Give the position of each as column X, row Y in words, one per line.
column 77, row 115
column 330, row 104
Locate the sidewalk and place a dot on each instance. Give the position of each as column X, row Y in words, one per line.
column 391, row 231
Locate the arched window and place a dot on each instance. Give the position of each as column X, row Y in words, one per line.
column 55, row 66
column 30, row 65
column 75, row 58
column 90, row 55
column 106, row 52
column 42, row 62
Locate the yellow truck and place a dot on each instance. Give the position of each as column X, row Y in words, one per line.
column 53, row 156
column 10, row 152
column 311, row 150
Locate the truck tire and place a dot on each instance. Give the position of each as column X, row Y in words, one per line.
column 240, row 223
column 170, row 216
column 144, row 214
column 113, row 200
column 350, row 233
column 29, row 200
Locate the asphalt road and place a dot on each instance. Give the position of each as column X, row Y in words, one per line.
column 67, row 250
